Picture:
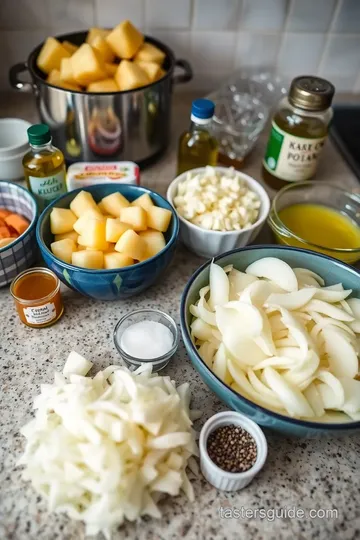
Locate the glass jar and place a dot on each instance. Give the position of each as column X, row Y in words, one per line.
column 299, row 130
column 37, row 296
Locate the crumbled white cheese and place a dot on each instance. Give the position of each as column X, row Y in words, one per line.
column 217, row 201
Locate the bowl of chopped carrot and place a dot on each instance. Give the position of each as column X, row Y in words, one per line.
column 18, row 214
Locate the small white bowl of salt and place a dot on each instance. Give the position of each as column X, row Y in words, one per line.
column 146, row 336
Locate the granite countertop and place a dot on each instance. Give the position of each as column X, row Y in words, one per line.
column 300, row 474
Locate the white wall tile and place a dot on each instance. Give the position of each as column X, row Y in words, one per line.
column 348, row 18
column 178, row 41
column 23, row 14
column 310, row 15
column 256, row 49
column 213, row 52
column 167, row 13
column 342, row 84
column 342, row 56
column 109, row 13
column 215, row 15
column 71, row 15
column 263, row 14
column 205, row 83
column 300, row 54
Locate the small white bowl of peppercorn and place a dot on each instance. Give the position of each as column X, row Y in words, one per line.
column 233, row 449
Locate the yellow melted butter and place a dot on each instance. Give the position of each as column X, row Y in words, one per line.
column 320, row 225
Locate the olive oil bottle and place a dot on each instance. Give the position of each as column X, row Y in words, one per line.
column 198, row 147
column 299, row 130
column 44, row 166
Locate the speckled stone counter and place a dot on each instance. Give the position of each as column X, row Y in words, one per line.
column 299, row 475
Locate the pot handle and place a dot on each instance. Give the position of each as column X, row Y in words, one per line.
column 16, row 82
column 188, row 72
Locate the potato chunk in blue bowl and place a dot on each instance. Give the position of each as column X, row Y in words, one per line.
column 114, row 283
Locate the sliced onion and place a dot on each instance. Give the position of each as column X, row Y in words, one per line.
column 219, row 286
column 292, row 399
column 275, row 270
column 342, row 356
column 293, row 300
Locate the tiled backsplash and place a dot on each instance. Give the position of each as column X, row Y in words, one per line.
column 216, row 36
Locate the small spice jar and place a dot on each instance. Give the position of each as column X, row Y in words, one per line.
column 243, row 439
column 37, row 296
column 146, row 336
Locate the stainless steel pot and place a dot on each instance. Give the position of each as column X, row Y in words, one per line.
column 132, row 125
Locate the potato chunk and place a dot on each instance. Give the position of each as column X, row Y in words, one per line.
column 111, row 69
column 155, row 242
column 63, row 249
column 54, row 78
column 158, row 218
column 131, row 244
column 94, row 33
column 61, row 220
column 51, row 55
column 117, row 260
column 151, row 69
column 144, row 201
column 88, row 259
column 125, row 40
column 134, row 216
column 94, row 235
column 81, row 224
column 129, row 76
column 87, row 66
column 114, row 203
column 73, row 235
column 103, row 48
column 82, row 202
column 149, row 53
column 66, row 72
column 107, row 85
column 114, row 229
column 70, row 47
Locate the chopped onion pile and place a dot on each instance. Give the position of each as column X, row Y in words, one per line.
column 106, row 448
column 278, row 336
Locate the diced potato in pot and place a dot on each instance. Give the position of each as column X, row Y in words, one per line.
column 114, row 229
column 155, row 242
column 103, row 48
column 94, row 33
column 82, row 202
column 81, row 224
column 61, row 220
column 66, row 72
column 87, row 66
column 129, row 76
column 151, row 69
column 107, row 85
column 63, row 249
column 111, row 69
column 149, row 53
column 131, row 244
column 51, row 55
column 94, row 236
column 70, row 47
column 158, row 218
column 117, row 260
column 144, row 201
column 54, row 78
column 134, row 216
column 73, row 235
column 88, row 259
column 125, row 40
column 114, row 203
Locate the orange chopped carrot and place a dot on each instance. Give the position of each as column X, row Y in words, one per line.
column 19, row 223
column 4, row 231
column 4, row 213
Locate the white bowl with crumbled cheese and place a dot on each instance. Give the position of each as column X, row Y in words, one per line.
column 219, row 209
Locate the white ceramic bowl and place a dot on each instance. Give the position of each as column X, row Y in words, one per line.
column 228, row 481
column 212, row 243
column 13, row 146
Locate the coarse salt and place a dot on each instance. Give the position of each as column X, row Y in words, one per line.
column 147, row 340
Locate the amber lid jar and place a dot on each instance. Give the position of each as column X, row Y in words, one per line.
column 37, row 296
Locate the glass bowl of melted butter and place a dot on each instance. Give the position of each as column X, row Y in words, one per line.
column 318, row 216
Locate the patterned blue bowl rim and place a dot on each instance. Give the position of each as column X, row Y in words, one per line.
column 187, row 339
column 172, row 239
column 33, row 221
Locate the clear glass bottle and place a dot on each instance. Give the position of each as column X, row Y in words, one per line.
column 44, row 166
column 198, row 147
column 299, row 130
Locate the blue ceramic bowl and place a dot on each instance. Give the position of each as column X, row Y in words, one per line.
column 108, row 284
column 332, row 270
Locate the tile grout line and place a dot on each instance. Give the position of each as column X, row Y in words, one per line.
column 283, row 34
column 328, row 36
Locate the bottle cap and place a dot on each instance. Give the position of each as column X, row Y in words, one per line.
column 39, row 134
column 203, row 109
column 311, row 93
